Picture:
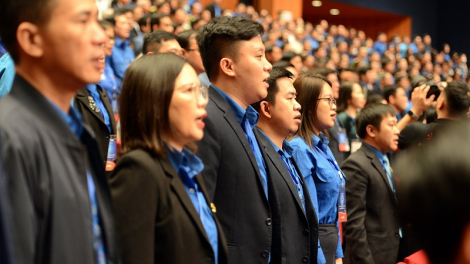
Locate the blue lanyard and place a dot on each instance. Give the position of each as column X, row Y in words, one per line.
column 332, row 162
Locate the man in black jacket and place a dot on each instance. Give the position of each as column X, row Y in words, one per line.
column 60, row 202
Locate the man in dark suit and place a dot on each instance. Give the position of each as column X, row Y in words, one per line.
column 295, row 223
column 235, row 173
column 94, row 105
column 372, row 232
column 60, row 202
column 6, row 241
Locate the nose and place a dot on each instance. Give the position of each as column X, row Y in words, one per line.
column 267, row 66
column 99, row 35
column 297, row 106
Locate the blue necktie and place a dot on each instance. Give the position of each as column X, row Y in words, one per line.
column 390, row 180
column 98, row 245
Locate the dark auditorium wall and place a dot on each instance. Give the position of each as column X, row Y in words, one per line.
column 445, row 20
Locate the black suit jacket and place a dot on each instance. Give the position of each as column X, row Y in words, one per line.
column 95, row 120
column 233, row 179
column 372, row 229
column 295, row 233
column 156, row 221
column 46, row 165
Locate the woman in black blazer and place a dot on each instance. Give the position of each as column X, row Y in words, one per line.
column 162, row 211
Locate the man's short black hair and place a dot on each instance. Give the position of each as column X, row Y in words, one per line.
column 390, row 90
column 153, row 40
column 184, row 38
column 372, row 114
column 143, row 20
column 289, row 55
column 363, row 70
column 456, row 95
column 221, row 36
column 434, row 189
column 275, row 74
column 15, row 12
column 155, row 19
column 117, row 12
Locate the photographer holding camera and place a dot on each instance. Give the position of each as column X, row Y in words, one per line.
column 451, row 102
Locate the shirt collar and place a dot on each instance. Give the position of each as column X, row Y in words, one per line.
column 184, row 160
column 120, row 42
column 287, row 150
column 73, row 119
column 379, row 154
column 240, row 113
column 320, row 143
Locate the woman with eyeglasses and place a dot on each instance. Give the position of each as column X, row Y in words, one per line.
column 323, row 177
column 162, row 211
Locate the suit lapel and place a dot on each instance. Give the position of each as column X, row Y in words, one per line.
column 109, row 109
column 378, row 166
column 82, row 96
column 178, row 187
column 233, row 122
column 278, row 164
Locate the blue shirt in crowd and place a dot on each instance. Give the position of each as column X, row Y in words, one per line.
column 380, row 47
column 7, row 74
column 251, row 117
column 188, row 166
column 93, row 90
column 121, row 57
column 109, row 82
column 321, row 174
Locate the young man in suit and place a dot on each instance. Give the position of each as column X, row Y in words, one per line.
column 372, row 232
column 60, row 202
column 235, row 174
column 294, row 219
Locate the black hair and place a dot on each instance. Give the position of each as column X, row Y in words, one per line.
column 15, row 12
column 275, row 74
column 143, row 20
column 153, row 40
column 155, row 19
column 390, row 90
column 289, row 55
column 372, row 114
column 282, row 64
column 363, row 70
column 221, row 36
column 433, row 189
column 374, row 99
column 184, row 38
column 456, row 95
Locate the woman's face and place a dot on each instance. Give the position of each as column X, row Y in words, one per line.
column 187, row 109
column 326, row 114
column 357, row 97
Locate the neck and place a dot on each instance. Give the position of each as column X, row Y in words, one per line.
column 57, row 89
column 372, row 143
column 230, row 88
column 175, row 144
column 272, row 132
column 351, row 111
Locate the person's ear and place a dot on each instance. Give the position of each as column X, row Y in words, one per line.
column 226, row 65
column 440, row 104
column 371, row 131
column 30, row 40
column 183, row 52
column 264, row 109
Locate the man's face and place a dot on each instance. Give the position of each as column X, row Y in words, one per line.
column 172, row 46
column 297, row 62
column 387, row 138
column 166, row 24
column 73, row 42
column 285, row 113
column 251, row 69
column 193, row 56
column 334, row 84
column 122, row 27
column 400, row 99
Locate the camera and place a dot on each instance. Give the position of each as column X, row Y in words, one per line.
column 433, row 89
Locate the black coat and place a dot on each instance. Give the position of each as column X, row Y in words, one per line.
column 46, row 165
column 95, row 120
column 372, row 230
column 156, row 221
column 233, row 179
column 295, row 233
